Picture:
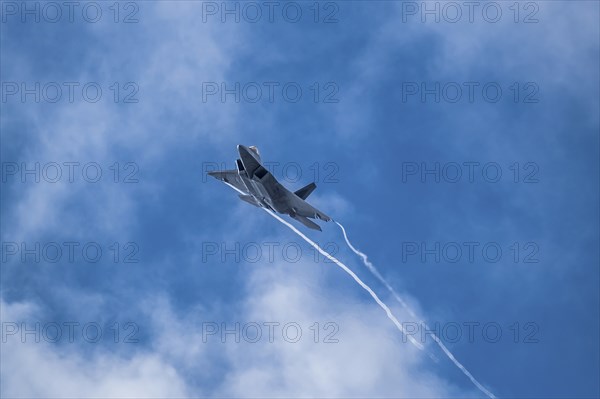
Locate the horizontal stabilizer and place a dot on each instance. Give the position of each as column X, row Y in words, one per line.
column 307, row 222
column 305, row 191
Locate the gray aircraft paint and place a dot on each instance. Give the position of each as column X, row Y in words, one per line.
column 259, row 187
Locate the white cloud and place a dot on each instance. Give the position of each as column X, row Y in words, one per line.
column 43, row 369
column 169, row 67
column 559, row 53
column 369, row 359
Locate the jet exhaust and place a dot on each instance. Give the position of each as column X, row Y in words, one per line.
column 399, row 299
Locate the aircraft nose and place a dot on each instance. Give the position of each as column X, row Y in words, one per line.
column 244, row 151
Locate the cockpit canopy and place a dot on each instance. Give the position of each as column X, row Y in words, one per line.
column 254, row 150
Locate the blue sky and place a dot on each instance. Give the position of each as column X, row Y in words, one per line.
column 363, row 136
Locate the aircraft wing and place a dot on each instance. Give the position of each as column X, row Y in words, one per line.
column 305, row 209
column 231, row 178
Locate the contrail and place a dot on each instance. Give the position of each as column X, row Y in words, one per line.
column 354, row 276
column 376, row 273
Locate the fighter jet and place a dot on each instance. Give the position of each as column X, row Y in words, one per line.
column 257, row 186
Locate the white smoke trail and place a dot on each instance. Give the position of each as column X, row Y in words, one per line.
column 376, row 273
column 354, row 276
